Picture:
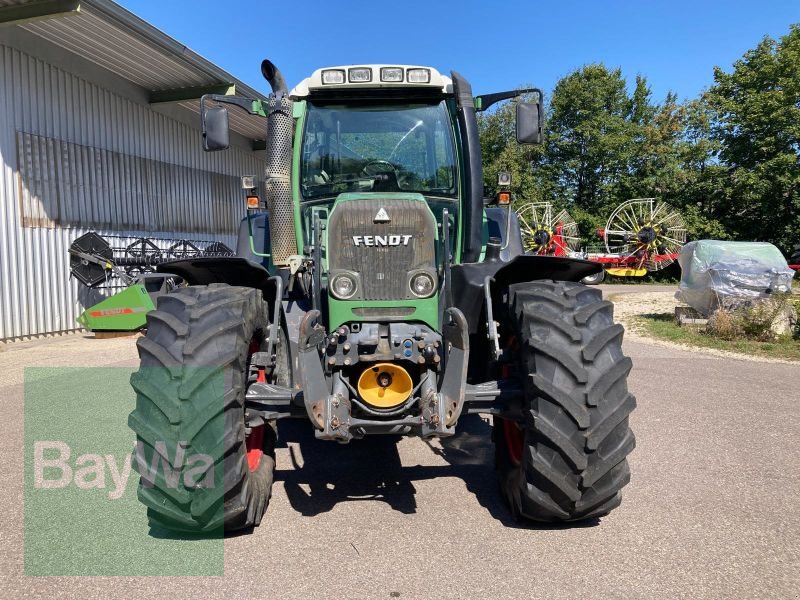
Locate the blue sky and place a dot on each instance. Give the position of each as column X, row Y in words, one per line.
column 496, row 45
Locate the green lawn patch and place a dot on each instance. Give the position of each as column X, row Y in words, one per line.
column 662, row 326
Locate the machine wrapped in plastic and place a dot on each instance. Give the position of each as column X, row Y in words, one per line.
column 729, row 274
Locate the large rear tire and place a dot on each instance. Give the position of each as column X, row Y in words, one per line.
column 190, row 404
column 565, row 458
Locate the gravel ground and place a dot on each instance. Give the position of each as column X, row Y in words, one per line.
column 713, row 510
column 632, row 301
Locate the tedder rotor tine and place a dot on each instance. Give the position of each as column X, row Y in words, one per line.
column 624, row 217
column 672, row 240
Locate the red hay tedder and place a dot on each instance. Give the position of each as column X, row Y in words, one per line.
column 642, row 235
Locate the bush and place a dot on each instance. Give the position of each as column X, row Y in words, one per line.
column 723, row 325
column 761, row 321
column 796, row 303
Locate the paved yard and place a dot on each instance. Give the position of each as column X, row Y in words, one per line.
column 713, row 510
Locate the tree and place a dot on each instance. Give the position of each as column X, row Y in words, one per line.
column 729, row 161
column 756, row 121
column 673, row 160
column 699, row 184
column 592, row 128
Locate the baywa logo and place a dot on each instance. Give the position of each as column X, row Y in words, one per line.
column 53, row 468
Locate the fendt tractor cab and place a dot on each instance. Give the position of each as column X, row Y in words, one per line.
column 376, row 291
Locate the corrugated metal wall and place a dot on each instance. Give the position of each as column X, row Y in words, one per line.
column 81, row 186
column 53, row 111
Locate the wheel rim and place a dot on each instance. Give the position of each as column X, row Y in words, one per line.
column 645, row 233
column 515, row 440
column 594, row 279
column 546, row 232
column 255, row 444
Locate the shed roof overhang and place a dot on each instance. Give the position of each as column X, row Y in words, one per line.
column 115, row 39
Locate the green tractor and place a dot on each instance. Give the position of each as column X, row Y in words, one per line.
column 378, row 293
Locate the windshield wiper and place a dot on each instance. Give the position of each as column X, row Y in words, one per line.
column 403, row 139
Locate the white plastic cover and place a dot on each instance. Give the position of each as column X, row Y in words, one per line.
column 727, row 274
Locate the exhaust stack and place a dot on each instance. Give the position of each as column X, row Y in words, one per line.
column 279, row 167
column 274, row 77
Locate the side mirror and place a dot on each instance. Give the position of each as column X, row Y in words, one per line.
column 216, row 131
column 530, row 121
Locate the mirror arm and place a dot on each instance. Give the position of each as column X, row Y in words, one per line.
column 486, row 100
column 248, row 104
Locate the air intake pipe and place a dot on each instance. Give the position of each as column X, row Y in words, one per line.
column 473, row 194
column 278, row 170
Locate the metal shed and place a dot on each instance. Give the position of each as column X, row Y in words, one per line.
column 100, row 131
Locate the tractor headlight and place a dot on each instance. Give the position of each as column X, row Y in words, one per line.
column 332, row 76
column 392, row 74
column 422, row 285
column 360, row 75
column 343, row 286
column 418, row 76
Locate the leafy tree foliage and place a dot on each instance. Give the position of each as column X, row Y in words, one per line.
column 591, row 135
column 756, row 121
column 729, row 160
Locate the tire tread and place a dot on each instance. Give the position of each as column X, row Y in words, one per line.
column 577, row 434
column 197, row 340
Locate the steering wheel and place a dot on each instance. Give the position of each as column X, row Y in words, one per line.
column 378, row 166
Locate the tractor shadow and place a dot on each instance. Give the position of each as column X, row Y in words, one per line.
column 371, row 470
column 325, row 473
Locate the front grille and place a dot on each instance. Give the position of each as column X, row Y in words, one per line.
column 383, row 269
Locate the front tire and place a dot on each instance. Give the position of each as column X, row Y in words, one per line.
column 563, row 458
column 190, row 404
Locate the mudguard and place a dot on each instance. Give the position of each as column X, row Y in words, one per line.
column 467, row 279
column 232, row 270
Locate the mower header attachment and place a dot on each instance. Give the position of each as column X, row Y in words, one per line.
column 94, row 261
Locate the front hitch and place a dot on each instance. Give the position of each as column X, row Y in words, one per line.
column 328, row 403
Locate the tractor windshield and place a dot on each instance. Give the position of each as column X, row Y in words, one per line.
column 380, row 148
